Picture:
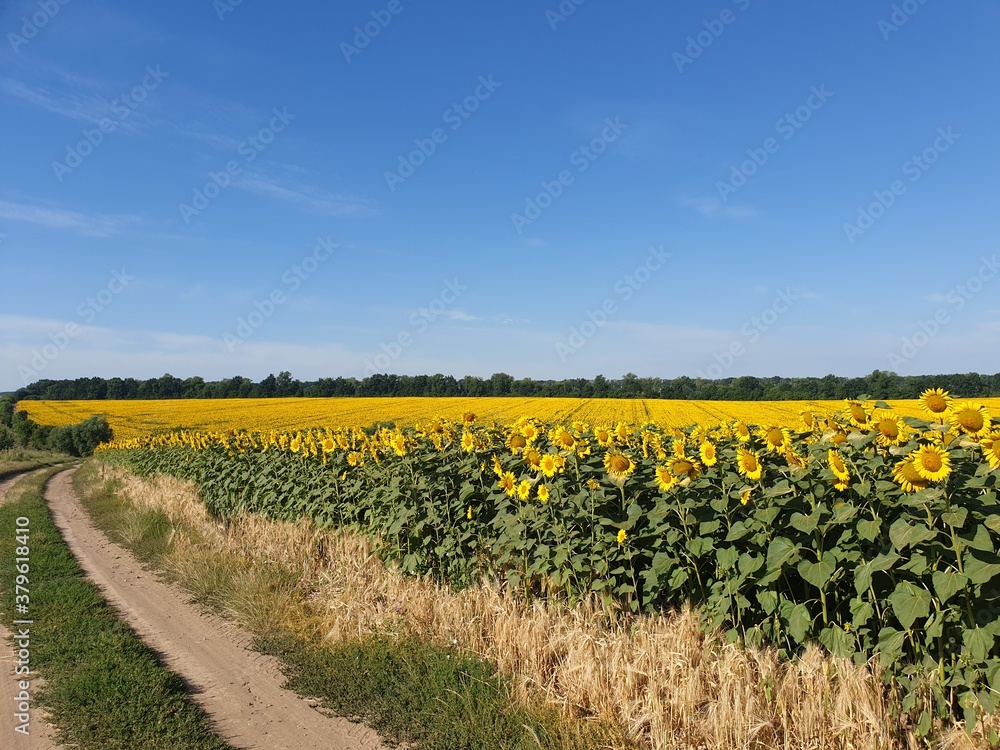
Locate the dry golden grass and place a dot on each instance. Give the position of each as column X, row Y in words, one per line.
column 661, row 678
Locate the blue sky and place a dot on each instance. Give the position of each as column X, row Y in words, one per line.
column 707, row 189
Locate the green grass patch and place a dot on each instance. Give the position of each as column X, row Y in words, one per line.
column 103, row 687
column 408, row 690
column 424, row 695
column 19, row 460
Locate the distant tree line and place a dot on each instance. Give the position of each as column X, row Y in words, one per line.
column 18, row 431
column 883, row 385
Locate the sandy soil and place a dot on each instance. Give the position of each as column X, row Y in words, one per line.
column 40, row 733
column 239, row 688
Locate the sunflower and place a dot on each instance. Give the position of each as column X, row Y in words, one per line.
column 468, row 417
column 678, row 447
column 745, row 495
column 329, row 445
column 563, row 439
column 508, row 484
column 889, row 429
column 524, row 489
column 776, row 439
column 991, row 450
column 837, row 466
column 551, row 464
column 398, row 444
column 296, row 444
column 935, row 401
column 857, row 413
column 664, row 479
column 516, row 443
column 684, row 468
column 468, row 441
column 354, row 458
column 605, row 437
column 707, row 452
column 970, row 418
column 748, row 463
column 794, row 460
column 618, row 465
column 622, row 536
column 532, row 457
column 931, row 462
column 530, row 432
column 806, row 416
column 543, row 493
column 742, row 432
column 593, row 484
column 906, row 476
column 497, row 468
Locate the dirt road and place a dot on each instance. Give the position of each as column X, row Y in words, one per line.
column 40, row 734
column 239, row 688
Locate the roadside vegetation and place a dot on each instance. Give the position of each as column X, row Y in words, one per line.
column 103, row 688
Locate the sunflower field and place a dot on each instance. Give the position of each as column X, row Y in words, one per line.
column 134, row 418
column 874, row 533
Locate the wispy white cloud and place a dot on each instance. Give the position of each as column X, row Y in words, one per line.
column 309, row 198
column 712, row 208
column 89, row 225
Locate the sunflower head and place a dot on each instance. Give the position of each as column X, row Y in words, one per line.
column 931, row 462
column 468, row 417
column 508, row 484
column 543, row 493
column 748, row 463
column 889, row 428
column 516, row 443
column 905, row 474
column 468, row 441
column 970, row 419
column 857, row 413
column 664, row 479
column 837, row 466
column 618, row 465
column 684, row 468
column 741, row 432
column 524, row 489
column 991, row 449
column 776, row 439
column 329, row 445
column 707, row 452
column 622, row 536
column 935, row 401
